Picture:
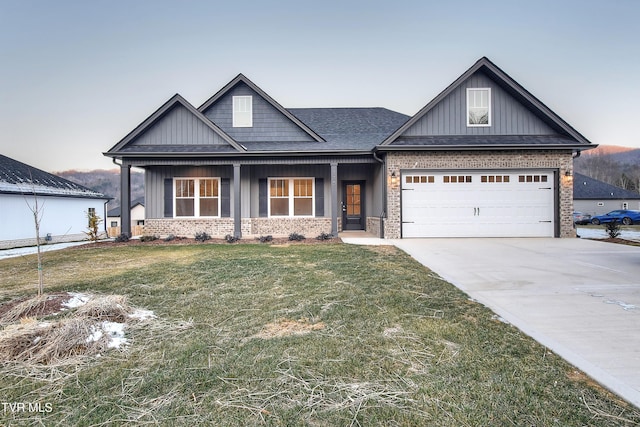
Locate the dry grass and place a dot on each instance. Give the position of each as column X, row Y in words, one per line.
column 302, row 335
column 112, row 308
column 65, row 337
column 286, row 327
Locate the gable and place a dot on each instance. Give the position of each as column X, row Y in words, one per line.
column 269, row 124
column 175, row 127
column 178, row 126
column 508, row 115
column 518, row 120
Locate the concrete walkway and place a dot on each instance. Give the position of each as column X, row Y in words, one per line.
column 580, row 298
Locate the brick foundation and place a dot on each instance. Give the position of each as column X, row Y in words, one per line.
column 220, row 227
column 373, row 225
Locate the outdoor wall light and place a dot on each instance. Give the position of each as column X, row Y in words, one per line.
column 394, row 179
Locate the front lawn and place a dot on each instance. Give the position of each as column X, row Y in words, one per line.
column 284, row 335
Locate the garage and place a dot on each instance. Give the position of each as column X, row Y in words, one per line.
column 492, row 203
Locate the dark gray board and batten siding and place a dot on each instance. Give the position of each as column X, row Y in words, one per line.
column 508, row 116
column 179, row 127
column 269, row 124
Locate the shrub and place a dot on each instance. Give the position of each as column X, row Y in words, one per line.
column 148, row 238
column 202, row 236
column 297, row 237
column 169, row 238
column 613, row 229
column 231, row 239
column 93, row 227
column 122, row 238
column 325, row 236
column 265, row 239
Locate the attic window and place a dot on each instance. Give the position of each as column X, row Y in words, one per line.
column 479, row 107
column 242, row 112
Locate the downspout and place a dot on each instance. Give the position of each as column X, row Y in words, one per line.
column 105, row 218
column 383, row 214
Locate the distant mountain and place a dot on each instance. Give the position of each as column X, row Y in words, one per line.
column 626, row 155
column 619, row 166
column 106, row 182
column 607, row 150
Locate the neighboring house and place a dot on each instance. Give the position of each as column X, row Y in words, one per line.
column 137, row 218
column 597, row 198
column 484, row 158
column 62, row 206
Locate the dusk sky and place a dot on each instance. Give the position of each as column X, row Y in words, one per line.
column 77, row 76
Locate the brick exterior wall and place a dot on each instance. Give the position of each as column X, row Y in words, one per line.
column 218, row 227
column 452, row 160
column 308, row 227
column 250, row 227
column 373, row 225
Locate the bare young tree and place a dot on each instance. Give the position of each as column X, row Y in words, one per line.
column 37, row 210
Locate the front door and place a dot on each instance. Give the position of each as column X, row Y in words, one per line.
column 353, row 205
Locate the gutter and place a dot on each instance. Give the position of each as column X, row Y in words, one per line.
column 488, row 147
column 237, row 154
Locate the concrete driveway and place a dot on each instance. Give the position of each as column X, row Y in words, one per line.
column 580, row 298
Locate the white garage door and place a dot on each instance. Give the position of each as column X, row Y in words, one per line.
column 478, row 204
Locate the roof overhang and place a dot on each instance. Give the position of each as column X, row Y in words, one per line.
column 484, row 147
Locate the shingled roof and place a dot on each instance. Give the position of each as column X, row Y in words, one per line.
column 19, row 178
column 117, row 212
column 587, row 188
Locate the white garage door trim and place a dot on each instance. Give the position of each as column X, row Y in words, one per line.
column 487, row 203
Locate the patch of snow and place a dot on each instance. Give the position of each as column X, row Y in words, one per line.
column 500, row 319
column 95, row 335
column 114, row 332
column 140, row 314
column 622, row 304
column 600, row 233
column 77, row 300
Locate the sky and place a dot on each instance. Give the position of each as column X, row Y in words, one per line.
column 77, row 76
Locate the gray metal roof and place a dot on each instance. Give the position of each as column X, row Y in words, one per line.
column 587, row 188
column 19, row 178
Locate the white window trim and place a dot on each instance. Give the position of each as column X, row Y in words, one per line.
column 242, row 119
column 196, row 197
column 471, row 89
column 292, row 197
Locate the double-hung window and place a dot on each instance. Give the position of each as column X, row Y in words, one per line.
column 291, row 196
column 478, row 107
column 197, row 197
column 242, row 111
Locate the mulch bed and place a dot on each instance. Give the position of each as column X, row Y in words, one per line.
column 52, row 304
column 619, row 241
column 276, row 241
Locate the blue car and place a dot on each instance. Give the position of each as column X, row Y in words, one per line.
column 622, row 216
